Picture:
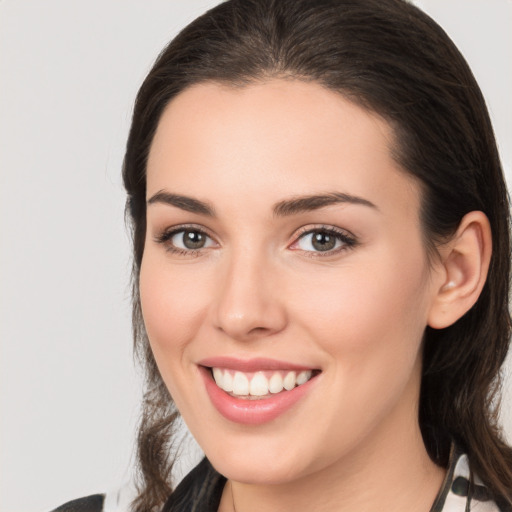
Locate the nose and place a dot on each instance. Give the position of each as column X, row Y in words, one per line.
column 249, row 303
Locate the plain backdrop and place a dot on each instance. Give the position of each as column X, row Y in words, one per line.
column 69, row 71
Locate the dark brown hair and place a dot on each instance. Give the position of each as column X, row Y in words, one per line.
column 390, row 58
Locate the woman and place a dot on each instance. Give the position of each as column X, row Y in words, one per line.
column 321, row 263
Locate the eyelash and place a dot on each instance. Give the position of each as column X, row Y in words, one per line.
column 347, row 240
column 166, row 236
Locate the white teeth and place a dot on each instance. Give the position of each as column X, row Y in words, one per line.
column 227, row 382
column 240, row 384
column 275, row 384
column 257, row 384
column 218, row 376
column 289, row 381
column 303, row 377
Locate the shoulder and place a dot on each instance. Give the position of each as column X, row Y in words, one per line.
column 116, row 499
column 199, row 491
column 93, row 503
column 464, row 491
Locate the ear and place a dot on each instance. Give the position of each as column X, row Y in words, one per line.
column 465, row 263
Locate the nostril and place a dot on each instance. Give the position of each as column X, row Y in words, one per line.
column 259, row 330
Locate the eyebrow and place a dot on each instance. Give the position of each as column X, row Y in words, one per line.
column 284, row 208
column 314, row 202
column 183, row 202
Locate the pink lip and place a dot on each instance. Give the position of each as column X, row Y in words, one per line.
column 251, row 365
column 252, row 412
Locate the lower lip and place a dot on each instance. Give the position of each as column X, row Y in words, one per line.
column 252, row 412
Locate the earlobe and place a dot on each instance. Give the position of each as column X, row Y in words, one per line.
column 465, row 260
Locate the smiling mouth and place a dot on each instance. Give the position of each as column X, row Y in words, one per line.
column 260, row 384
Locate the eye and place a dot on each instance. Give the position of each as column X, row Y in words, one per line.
column 323, row 240
column 185, row 240
column 190, row 239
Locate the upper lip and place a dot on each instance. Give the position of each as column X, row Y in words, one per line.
column 251, row 365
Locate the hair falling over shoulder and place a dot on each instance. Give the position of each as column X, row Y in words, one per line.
column 388, row 57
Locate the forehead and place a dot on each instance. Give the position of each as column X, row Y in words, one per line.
column 274, row 139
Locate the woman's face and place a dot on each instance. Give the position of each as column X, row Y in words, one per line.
column 284, row 254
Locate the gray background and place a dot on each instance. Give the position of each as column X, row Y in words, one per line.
column 69, row 71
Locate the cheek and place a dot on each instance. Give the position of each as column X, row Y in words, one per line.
column 375, row 307
column 369, row 321
column 173, row 303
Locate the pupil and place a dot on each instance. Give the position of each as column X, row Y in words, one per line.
column 193, row 240
column 323, row 241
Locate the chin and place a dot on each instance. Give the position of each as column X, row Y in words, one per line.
column 258, row 472
column 259, row 461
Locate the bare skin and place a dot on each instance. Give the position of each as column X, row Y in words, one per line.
column 260, row 287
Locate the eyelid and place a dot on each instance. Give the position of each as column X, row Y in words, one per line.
column 164, row 237
column 170, row 230
column 349, row 240
column 322, row 227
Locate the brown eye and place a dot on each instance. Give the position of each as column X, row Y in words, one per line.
column 191, row 239
column 323, row 241
column 319, row 241
column 186, row 239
